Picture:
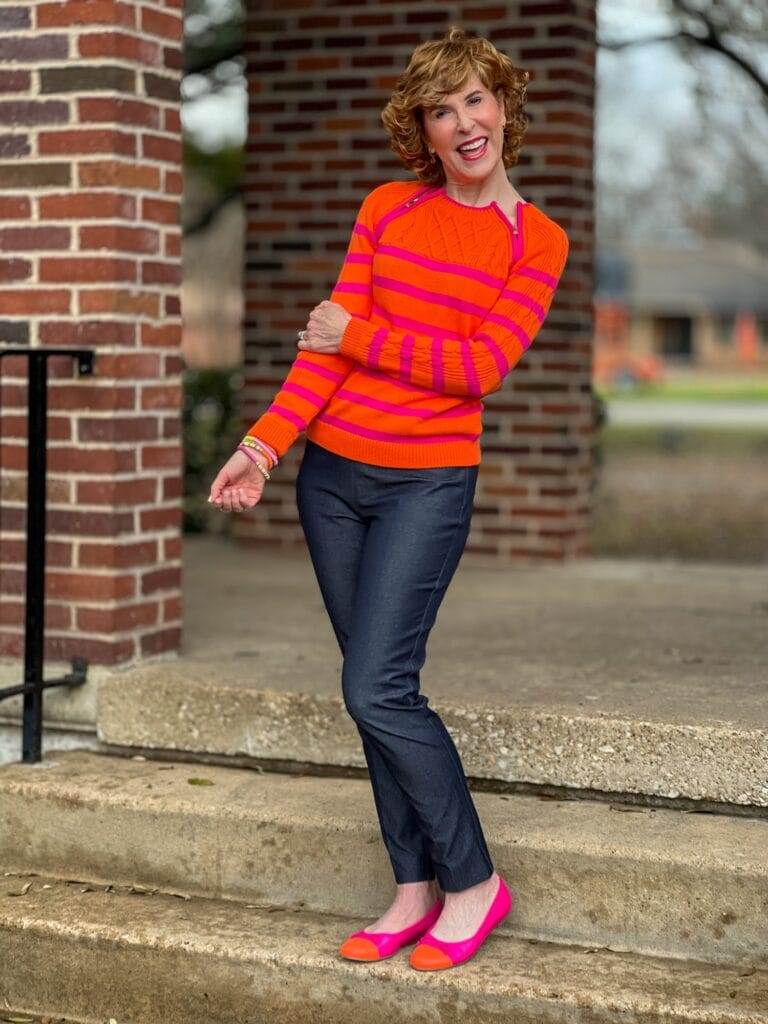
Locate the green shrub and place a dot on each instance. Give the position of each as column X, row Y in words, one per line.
column 212, row 429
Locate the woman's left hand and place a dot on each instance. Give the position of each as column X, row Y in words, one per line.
column 325, row 327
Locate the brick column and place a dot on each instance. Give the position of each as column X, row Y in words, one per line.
column 91, row 181
column 319, row 77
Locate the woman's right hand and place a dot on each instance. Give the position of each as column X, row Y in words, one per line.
column 239, row 483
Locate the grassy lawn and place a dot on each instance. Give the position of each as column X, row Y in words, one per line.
column 699, row 388
column 686, row 493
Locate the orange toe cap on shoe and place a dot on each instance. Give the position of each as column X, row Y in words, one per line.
column 427, row 958
column 358, row 948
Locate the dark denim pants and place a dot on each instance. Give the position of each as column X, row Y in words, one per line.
column 384, row 544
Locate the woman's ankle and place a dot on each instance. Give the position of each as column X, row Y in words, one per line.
column 415, row 893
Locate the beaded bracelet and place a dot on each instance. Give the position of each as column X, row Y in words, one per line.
column 253, row 442
column 244, row 449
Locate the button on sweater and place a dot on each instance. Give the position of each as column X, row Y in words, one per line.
column 445, row 299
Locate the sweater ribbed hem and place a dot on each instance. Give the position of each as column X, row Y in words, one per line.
column 394, row 454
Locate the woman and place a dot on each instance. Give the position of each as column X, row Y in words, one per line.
column 446, row 280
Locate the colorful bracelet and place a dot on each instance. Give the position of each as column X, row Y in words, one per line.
column 254, row 442
column 244, row 449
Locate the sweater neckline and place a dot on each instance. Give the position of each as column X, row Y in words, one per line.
column 493, row 205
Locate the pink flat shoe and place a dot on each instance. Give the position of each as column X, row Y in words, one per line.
column 432, row 954
column 363, row 945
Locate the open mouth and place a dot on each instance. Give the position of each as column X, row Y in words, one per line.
column 473, row 150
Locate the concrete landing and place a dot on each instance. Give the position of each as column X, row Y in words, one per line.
column 607, row 675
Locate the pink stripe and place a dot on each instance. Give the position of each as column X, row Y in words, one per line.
column 438, row 299
column 321, row 371
column 365, row 232
column 400, row 209
column 414, row 325
column 442, row 265
column 352, row 287
column 525, row 300
column 406, row 356
column 381, row 405
column 375, row 349
column 462, row 410
column 538, row 275
column 381, row 435
column 502, row 363
column 297, row 421
column 302, row 392
column 438, row 376
column 380, row 376
column 470, row 372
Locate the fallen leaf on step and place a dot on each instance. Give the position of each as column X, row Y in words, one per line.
column 200, row 782
column 23, row 892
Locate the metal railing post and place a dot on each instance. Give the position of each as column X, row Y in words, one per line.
column 34, row 633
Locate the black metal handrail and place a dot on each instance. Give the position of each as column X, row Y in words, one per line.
column 34, row 633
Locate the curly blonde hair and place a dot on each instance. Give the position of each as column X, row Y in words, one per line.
column 443, row 66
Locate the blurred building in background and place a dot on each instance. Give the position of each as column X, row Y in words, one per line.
column 701, row 307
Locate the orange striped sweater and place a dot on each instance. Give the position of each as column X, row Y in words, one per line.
column 445, row 299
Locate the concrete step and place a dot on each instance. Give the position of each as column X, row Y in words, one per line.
column 282, row 710
column 652, row 881
column 155, row 958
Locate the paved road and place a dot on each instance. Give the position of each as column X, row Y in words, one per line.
column 689, row 413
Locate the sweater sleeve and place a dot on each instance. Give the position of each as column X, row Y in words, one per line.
column 314, row 376
column 475, row 365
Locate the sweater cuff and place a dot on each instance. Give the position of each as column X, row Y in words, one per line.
column 356, row 340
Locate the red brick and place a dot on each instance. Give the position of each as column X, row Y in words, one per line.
column 172, row 609
column 102, row 140
column 142, row 365
column 117, row 300
column 116, row 493
column 168, row 639
column 85, row 12
column 34, row 302
column 103, row 173
column 120, row 239
column 161, row 579
column 161, row 396
column 161, row 211
column 160, row 518
column 118, row 429
column 161, row 457
column 34, row 237
column 86, row 397
column 77, row 586
column 15, row 270
column 87, row 269
column 167, row 26
column 62, row 459
column 87, row 333
column 117, row 555
column 159, row 147
column 167, row 336
column 155, row 272
column 116, row 44
column 126, row 111
column 87, row 205
column 118, row 620
column 15, row 207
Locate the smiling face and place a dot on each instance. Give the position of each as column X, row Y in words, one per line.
column 471, row 113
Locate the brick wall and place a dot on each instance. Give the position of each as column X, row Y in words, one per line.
column 319, row 77
column 90, row 182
